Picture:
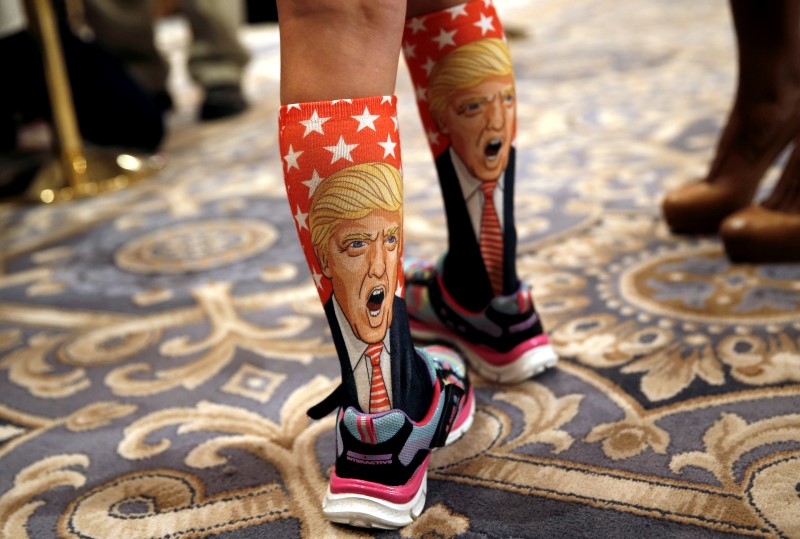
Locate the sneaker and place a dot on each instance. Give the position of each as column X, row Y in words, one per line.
column 504, row 342
column 380, row 476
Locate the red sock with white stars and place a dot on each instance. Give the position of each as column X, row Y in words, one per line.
column 342, row 169
column 464, row 85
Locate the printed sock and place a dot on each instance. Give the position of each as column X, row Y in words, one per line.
column 342, row 170
column 464, row 83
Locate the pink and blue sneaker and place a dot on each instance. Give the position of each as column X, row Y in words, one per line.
column 504, row 342
column 379, row 479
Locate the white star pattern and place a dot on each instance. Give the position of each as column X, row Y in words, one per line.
column 428, row 66
column 291, row 158
column 301, row 218
column 314, row 124
column 399, row 290
column 366, row 120
column 485, row 24
column 350, row 101
column 388, row 146
column 456, row 11
column 408, row 50
column 312, row 183
column 317, row 277
column 433, row 137
column 445, row 38
column 318, row 140
column 441, row 33
column 293, row 106
column 416, row 24
column 341, row 150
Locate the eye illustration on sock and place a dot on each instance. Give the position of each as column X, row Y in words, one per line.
column 464, row 81
column 343, row 179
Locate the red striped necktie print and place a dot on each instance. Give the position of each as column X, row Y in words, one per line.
column 378, row 396
column 491, row 239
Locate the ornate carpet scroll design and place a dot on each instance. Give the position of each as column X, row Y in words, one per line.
column 159, row 346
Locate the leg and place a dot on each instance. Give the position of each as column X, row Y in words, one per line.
column 125, row 29
column 339, row 142
column 354, row 52
column 765, row 117
column 472, row 297
column 111, row 109
column 216, row 57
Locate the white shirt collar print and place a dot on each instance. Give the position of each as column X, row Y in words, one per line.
column 473, row 196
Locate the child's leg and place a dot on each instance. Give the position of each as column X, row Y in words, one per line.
column 464, row 81
column 339, row 142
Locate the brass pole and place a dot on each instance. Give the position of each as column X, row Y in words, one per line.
column 75, row 173
column 73, row 160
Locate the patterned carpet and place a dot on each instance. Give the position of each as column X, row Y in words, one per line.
column 159, row 346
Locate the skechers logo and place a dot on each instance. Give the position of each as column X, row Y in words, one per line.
column 369, row 459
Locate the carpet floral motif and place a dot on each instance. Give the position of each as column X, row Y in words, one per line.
column 159, row 346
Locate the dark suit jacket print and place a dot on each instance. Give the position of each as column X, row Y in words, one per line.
column 464, row 273
column 411, row 384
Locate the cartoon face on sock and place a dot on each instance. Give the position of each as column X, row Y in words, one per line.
column 362, row 262
column 480, row 124
column 356, row 228
column 473, row 103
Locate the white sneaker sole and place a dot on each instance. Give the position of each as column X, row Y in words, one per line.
column 368, row 512
column 529, row 364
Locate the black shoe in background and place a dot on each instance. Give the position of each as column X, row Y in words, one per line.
column 222, row 101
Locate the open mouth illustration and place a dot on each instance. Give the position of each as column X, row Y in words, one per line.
column 375, row 301
column 493, row 149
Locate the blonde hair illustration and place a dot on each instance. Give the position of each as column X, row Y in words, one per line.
column 349, row 194
column 465, row 67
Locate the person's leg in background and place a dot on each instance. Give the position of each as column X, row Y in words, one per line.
column 217, row 58
column 126, row 30
column 339, row 142
column 770, row 231
column 764, row 118
column 111, row 108
column 472, row 297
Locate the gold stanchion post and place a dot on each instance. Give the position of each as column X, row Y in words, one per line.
column 76, row 174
